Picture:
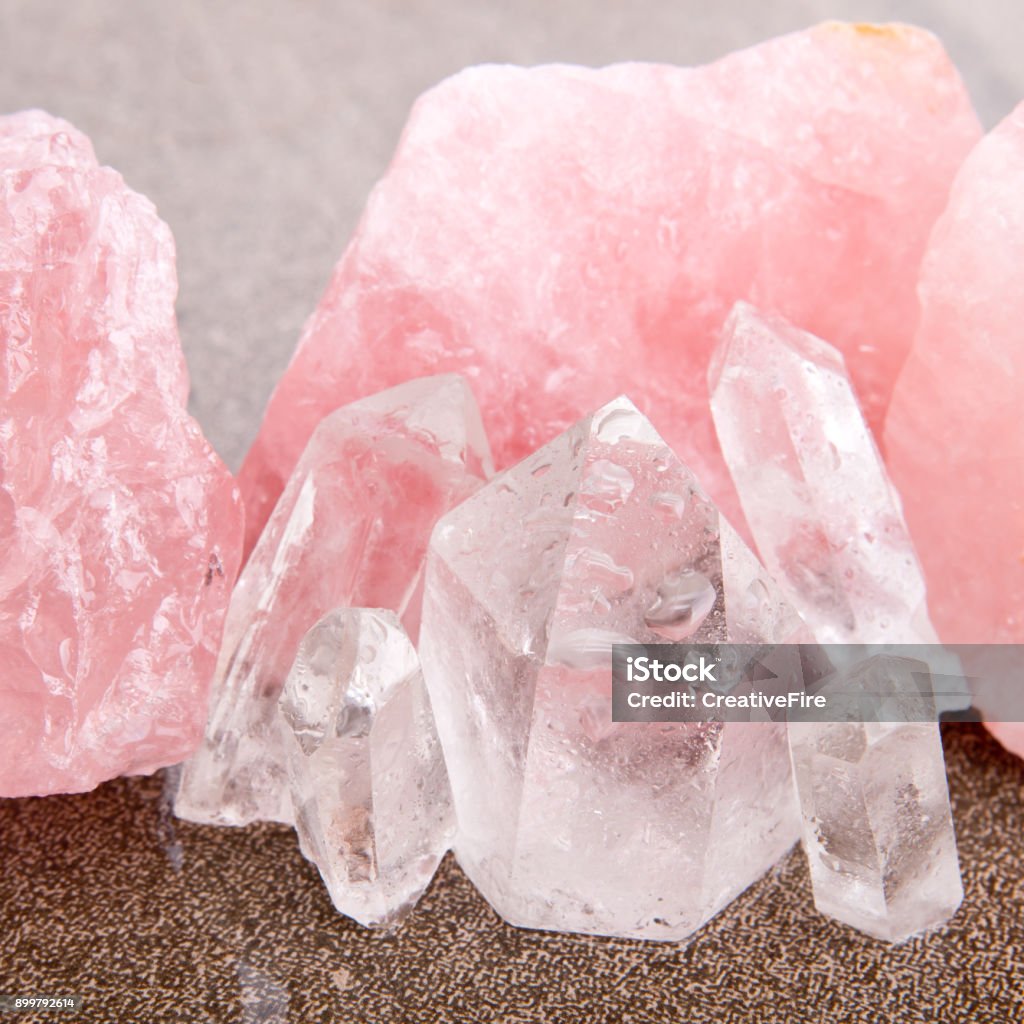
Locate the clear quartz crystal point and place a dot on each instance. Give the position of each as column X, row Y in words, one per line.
column 829, row 526
column 877, row 825
column 350, row 530
column 567, row 820
column 368, row 782
column 827, row 522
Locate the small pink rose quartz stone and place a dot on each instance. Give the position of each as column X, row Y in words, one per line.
column 120, row 529
column 561, row 235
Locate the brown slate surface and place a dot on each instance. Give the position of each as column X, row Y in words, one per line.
column 152, row 919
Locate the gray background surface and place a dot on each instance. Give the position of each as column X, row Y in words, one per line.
column 259, row 128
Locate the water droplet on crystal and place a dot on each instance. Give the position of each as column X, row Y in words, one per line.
column 586, row 649
column 669, row 506
column 607, row 485
column 684, row 600
column 622, row 423
column 603, row 569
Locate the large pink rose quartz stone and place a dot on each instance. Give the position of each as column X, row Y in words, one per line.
column 563, row 235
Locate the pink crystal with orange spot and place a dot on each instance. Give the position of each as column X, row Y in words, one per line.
column 561, row 235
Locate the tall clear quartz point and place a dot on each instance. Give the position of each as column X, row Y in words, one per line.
column 827, row 522
column 350, row 530
column 877, row 825
column 368, row 783
column 566, row 819
column 829, row 526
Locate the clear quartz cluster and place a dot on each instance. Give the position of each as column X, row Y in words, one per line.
column 341, row 750
column 828, row 524
column 567, row 820
column 367, row 780
column 789, row 175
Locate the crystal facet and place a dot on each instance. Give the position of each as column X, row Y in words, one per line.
column 826, row 520
column 350, row 530
column 579, row 232
column 368, row 783
column 829, row 527
column 568, row 820
column 120, row 528
column 878, row 830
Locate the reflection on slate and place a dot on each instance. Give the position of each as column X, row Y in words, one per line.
column 154, row 919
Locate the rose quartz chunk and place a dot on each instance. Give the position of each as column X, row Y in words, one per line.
column 561, row 235
column 120, row 528
column 955, row 433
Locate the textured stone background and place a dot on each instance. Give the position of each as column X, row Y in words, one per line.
column 258, row 128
